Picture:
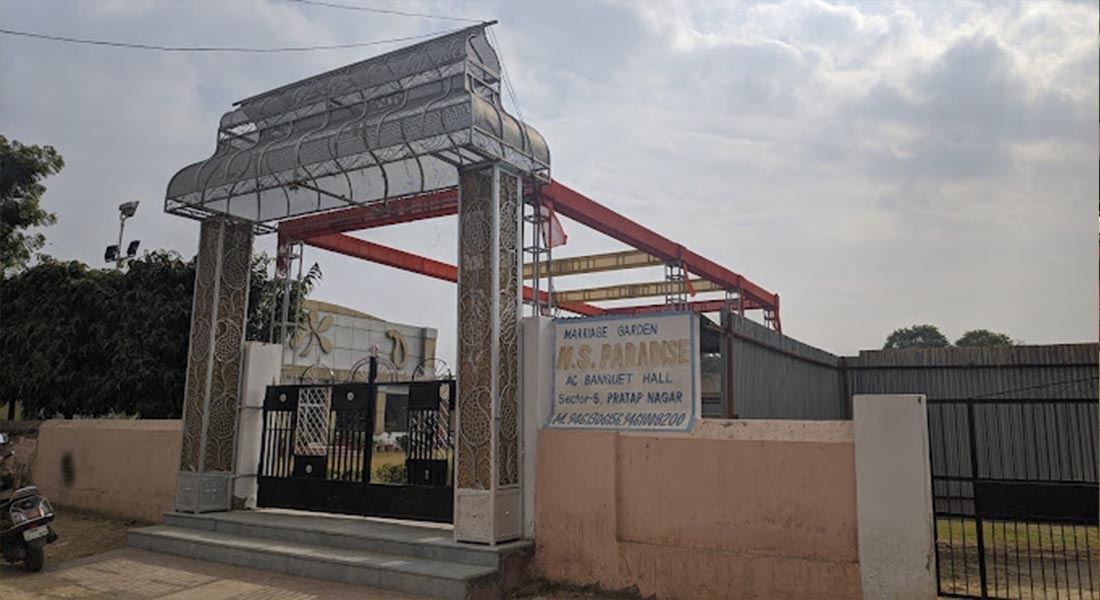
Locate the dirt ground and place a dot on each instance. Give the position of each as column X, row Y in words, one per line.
column 541, row 590
column 81, row 533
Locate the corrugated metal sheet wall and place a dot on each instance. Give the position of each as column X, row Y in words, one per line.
column 778, row 377
column 1062, row 371
column 1050, row 433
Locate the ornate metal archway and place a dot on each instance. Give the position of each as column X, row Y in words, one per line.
column 421, row 118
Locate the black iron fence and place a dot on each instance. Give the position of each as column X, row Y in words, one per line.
column 1014, row 486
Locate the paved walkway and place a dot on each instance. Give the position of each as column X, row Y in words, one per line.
column 132, row 573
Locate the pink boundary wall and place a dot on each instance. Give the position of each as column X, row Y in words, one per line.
column 736, row 509
column 125, row 468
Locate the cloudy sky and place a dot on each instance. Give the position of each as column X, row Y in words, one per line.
column 877, row 165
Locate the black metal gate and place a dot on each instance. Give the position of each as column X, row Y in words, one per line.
column 317, row 451
column 1014, row 487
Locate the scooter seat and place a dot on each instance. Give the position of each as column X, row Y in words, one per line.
column 24, row 492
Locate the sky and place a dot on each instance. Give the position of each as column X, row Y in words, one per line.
column 877, row 164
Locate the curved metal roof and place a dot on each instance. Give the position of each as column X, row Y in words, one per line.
column 386, row 127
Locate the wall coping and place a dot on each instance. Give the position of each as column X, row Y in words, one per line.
column 114, row 424
column 761, row 430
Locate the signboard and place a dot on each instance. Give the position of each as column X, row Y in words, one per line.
column 626, row 373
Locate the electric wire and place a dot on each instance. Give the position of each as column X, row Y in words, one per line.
column 1034, row 387
column 212, row 49
column 384, row 11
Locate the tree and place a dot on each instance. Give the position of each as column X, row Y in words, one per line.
column 917, row 336
column 95, row 342
column 265, row 299
column 980, row 338
column 22, row 169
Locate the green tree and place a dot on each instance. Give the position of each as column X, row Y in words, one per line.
column 22, row 169
column 917, row 336
column 978, row 338
column 94, row 342
column 265, row 299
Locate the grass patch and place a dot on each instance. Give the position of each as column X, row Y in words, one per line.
column 377, row 459
column 1020, row 535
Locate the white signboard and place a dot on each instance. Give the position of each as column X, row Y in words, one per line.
column 626, row 373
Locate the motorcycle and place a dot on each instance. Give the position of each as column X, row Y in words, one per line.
column 25, row 518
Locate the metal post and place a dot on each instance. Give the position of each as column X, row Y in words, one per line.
column 728, row 371
column 121, row 226
column 977, row 502
column 286, row 302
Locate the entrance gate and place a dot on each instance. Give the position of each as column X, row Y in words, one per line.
column 1014, row 488
column 317, row 451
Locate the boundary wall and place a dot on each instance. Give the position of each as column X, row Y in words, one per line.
column 124, row 468
column 735, row 509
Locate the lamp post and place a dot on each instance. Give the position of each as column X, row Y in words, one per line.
column 114, row 252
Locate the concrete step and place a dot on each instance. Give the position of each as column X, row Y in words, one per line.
column 434, row 578
column 430, row 542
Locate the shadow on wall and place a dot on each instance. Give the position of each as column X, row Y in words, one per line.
column 68, row 472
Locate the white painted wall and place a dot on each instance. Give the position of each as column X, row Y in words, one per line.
column 261, row 369
column 538, row 374
column 894, row 498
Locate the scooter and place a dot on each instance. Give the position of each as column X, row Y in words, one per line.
column 24, row 520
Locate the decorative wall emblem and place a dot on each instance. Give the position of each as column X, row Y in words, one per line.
column 400, row 354
column 313, row 332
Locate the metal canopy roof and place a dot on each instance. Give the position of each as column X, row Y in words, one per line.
column 386, row 127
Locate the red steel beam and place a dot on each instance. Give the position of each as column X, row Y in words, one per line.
column 566, row 201
column 385, row 255
column 428, row 205
column 414, row 263
column 592, row 214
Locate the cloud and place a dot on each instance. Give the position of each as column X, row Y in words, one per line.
column 877, row 164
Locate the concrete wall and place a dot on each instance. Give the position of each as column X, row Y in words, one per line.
column 896, row 544
column 537, row 337
column 261, row 369
column 765, row 509
column 125, row 468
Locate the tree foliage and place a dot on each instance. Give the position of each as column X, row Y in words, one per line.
column 94, row 342
column 917, row 336
column 265, row 299
column 22, row 170
column 929, row 336
column 979, row 338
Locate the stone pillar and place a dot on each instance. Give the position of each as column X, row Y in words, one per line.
column 487, row 484
column 214, row 360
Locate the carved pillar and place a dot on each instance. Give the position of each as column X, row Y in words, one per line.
column 214, row 362
column 487, row 492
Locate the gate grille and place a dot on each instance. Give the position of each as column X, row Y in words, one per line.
column 312, row 427
column 1014, row 486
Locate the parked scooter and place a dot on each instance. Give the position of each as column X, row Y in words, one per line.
column 24, row 519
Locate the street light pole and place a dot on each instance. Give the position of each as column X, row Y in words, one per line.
column 121, row 226
column 115, row 253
